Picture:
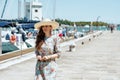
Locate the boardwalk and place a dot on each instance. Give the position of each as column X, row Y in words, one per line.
column 95, row 60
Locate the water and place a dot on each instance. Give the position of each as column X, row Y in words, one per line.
column 118, row 28
column 94, row 28
column 86, row 29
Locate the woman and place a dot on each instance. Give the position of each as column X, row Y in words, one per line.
column 46, row 50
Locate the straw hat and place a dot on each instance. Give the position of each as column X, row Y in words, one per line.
column 46, row 22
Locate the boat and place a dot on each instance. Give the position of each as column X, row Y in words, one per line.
column 7, row 26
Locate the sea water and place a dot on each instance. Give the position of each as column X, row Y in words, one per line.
column 94, row 28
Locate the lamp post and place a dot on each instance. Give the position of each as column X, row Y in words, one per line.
column 97, row 21
column 90, row 27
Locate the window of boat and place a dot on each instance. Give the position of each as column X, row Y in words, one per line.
column 36, row 10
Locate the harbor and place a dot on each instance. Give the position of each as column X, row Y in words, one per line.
column 84, row 34
column 97, row 59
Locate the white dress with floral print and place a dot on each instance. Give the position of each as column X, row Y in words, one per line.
column 47, row 69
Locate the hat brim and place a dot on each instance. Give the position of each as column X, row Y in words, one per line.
column 54, row 24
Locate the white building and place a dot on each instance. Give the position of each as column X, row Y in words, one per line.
column 33, row 10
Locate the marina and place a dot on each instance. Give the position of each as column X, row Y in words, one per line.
column 89, row 49
column 102, row 64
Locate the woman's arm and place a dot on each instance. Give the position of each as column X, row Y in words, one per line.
column 53, row 56
column 38, row 56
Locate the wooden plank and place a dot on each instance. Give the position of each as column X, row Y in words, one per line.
column 15, row 53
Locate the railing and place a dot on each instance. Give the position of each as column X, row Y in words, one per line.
column 83, row 40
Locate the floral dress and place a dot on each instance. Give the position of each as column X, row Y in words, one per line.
column 47, row 69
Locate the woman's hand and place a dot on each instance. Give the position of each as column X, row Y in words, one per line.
column 39, row 58
column 46, row 57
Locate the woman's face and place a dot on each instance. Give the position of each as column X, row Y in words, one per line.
column 46, row 28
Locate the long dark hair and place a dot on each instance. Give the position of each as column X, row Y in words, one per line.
column 40, row 38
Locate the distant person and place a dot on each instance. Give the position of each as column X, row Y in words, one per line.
column 46, row 50
column 29, row 34
column 64, row 32
column 60, row 35
column 23, row 37
column 111, row 28
column 7, row 37
column 75, row 35
column 13, row 38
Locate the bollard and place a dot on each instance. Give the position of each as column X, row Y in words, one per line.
column 94, row 36
column 72, row 46
column 82, row 43
column 89, row 39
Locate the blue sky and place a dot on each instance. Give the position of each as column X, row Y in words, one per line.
column 74, row 10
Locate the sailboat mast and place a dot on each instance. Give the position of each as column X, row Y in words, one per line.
column 19, row 9
column 54, row 9
column 4, row 9
column 24, row 8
